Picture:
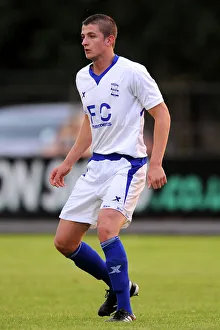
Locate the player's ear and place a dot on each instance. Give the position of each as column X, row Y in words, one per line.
column 109, row 41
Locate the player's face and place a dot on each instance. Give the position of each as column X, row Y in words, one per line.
column 93, row 41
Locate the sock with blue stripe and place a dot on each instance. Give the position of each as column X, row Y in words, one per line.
column 117, row 266
column 89, row 260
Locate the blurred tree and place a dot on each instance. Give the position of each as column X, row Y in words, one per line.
column 178, row 39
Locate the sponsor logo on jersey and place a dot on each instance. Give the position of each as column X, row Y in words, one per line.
column 101, row 125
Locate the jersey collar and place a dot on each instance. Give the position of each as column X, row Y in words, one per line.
column 98, row 78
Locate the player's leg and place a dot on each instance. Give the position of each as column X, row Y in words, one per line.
column 68, row 241
column 109, row 224
column 78, row 214
column 69, row 235
column 120, row 199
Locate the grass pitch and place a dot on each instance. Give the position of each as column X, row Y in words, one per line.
column 179, row 279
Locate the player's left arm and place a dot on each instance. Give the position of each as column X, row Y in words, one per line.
column 156, row 176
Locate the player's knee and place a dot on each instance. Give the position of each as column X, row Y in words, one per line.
column 105, row 231
column 64, row 247
column 59, row 245
column 109, row 224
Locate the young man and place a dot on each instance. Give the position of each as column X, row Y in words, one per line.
column 115, row 92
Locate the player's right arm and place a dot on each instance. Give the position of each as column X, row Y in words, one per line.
column 82, row 143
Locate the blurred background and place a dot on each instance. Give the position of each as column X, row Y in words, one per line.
column 40, row 110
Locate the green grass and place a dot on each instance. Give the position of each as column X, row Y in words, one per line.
column 179, row 279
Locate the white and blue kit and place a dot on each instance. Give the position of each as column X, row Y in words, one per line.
column 115, row 102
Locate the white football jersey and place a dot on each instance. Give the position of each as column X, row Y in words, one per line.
column 115, row 102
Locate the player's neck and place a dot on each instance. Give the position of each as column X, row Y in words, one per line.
column 102, row 63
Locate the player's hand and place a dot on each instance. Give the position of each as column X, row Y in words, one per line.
column 156, row 177
column 58, row 173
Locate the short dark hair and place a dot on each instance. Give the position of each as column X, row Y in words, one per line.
column 106, row 24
